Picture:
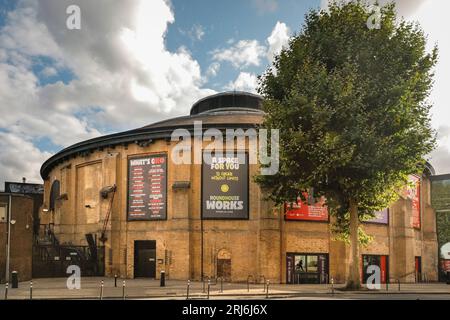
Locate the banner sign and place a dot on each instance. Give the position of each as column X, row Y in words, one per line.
column 302, row 211
column 147, row 188
column 381, row 217
column 225, row 187
column 24, row 188
column 413, row 193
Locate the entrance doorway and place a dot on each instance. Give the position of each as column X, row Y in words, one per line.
column 145, row 259
column 418, row 267
column 306, row 268
column 374, row 260
column 224, row 265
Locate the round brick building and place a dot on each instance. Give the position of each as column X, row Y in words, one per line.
column 143, row 202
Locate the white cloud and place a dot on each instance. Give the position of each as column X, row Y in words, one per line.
column 244, row 82
column 242, row 54
column 277, row 40
column 433, row 17
column 213, row 69
column 404, row 7
column 49, row 72
column 196, row 33
column 124, row 76
column 19, row 158
column 265, row 6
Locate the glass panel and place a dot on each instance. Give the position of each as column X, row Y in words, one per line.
column 312, row 264
column 300, row 263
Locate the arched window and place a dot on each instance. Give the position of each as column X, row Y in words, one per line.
column 54, row 194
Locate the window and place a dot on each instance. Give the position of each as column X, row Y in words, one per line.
column 54, row 194
column 306, row 268
column 312, row 263
column 3, row 213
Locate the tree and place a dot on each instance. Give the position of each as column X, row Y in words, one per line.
column 351, row 105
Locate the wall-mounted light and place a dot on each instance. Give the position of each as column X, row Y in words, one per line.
column 45, row 210
column 13, row 222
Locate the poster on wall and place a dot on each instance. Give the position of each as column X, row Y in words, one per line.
column 413, row 193
column 225, row 187
column 147, row 188
column 381, row 217
column 445, row 257
column 307, row 212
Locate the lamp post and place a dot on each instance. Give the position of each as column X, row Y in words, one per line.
column 8, row 238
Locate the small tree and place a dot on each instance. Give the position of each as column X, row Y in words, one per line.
column 351, row 106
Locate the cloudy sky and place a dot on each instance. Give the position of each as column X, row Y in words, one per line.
column 135, row 62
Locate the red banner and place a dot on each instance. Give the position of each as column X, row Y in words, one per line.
column 414, row 195
column 302, row 211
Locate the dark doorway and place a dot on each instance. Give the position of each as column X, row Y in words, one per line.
column 418, row 267
column 380, row 261
column 306, row 268
column 224, row 264
column 224, row 269
column 145, row 259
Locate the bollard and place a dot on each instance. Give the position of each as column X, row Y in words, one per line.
column 398, row 284
column 115, row 281
column 187, row 290
column 248, row 282
column 31, row 290
column 332, row 285
column 221, row 284
column 14, row 280
column 203, row 285
column 101, row 290
column 6, row 290
column 123, row 290
column 267, row 292
column 387, row 285
column 209, row 286
column 162, row 280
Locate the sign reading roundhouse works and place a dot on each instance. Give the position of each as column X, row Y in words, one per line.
column 147, row 188
column 225, row 187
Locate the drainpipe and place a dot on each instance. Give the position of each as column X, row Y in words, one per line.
column 201, row 255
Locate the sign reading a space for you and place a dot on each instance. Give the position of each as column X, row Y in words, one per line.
column 225, row 187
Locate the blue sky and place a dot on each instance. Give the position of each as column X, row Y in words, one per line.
column 233, row 19
column 135, row 62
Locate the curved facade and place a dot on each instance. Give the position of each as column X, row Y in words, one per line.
column 146, row 211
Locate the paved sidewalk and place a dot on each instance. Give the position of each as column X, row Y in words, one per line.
column 149, row 289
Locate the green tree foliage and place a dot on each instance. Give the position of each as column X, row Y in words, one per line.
column 351, row 106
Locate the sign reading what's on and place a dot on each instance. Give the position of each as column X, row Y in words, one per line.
column 225, row 187
column 147, row 188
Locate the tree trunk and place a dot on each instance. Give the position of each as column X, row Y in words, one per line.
column 354, row 278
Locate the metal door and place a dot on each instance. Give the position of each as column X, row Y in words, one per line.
column 145, row 259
